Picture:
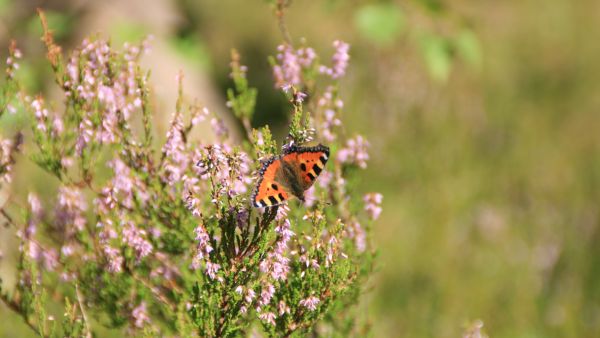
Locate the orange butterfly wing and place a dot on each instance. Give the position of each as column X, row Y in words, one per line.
column 268, row 192
column 310, row 160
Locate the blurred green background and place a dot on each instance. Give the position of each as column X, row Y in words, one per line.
column 484, row 123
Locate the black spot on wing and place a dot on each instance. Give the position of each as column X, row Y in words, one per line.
column 303, row 166
column 273, row 200
column 311, row 176
column 316, row 169
column 274, row 186
column 281, row 197
column 260, row 174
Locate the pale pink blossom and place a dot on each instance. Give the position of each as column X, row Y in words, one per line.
column 373, row 205
column 355, row 152
column 268, row 318
column 340, row 60
column 310, row 303
column 135, row 238
column 140, row 315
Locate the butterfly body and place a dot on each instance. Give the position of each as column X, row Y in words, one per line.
column 290, row 174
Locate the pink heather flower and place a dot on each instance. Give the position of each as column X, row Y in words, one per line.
column 266, row 294
column 175, row 152
column 212, row 269
column 299, row 97
column 140, row 315
column 49, row 259
column 309, row 197
column 329, row 123
column 242, row 218
column 310, row 303
column 155, row 232
column 193, row 202
column 200, row 116
column 134, row 238
column 33, row 251
column 268, row 318
column 284, row 230
column 6, row 150
column 35, row 205
column 373, row 204
column 250, row 294
column 87, row 70
column 124, row 183
column 306, row 56
column 339, row 60
column 71, row 207
column 66, row 250
column 308, row 262
column 71, row 198
column 204, row 248
column 355, row 152
column 325, row 179
column 86, row 133
column 219, row 127
column 57, row 126
column 288, row 70
column 40, row 113
column 283, row 308
column 286, row 88
column 73, row 69
column 356, row 231
column 147, row 44
column 11, row 64
column 66, row 162
column 332, row 245
column 276, row 264
column 230, row 168
column 114, row 258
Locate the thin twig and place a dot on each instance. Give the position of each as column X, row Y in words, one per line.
column 7, row 216
column 88, row 333
column 281, row 6
column 156, row 293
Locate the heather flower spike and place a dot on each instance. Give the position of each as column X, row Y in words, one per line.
column 162, row 239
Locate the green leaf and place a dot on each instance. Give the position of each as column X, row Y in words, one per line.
column 193, row 49
column 380, row 23
column 437, row 57
column 468, row 47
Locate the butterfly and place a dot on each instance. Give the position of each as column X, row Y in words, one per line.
column 289, row 174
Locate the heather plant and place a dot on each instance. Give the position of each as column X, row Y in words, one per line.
column 157, row 234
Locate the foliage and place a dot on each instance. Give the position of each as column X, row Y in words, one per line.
column 167, row 241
